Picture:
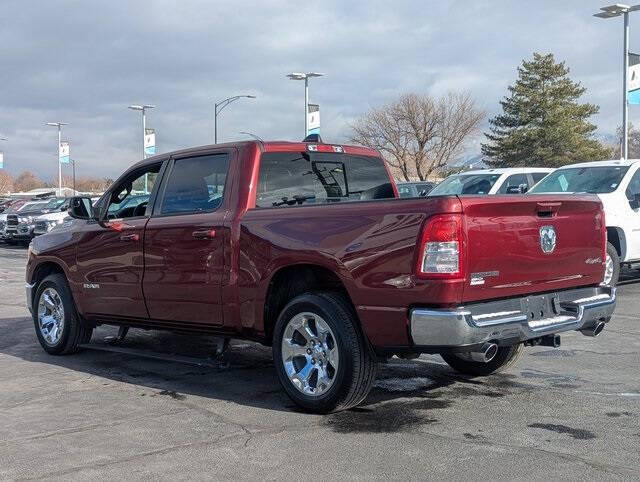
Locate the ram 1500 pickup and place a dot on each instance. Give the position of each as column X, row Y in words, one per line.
column 305, row 247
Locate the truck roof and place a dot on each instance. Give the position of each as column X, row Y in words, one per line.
column 609, row 163
column 507, row 170
column 270, row 146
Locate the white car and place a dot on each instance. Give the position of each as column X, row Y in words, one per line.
column 617, row 184
column 46, row 222
column 512, row 180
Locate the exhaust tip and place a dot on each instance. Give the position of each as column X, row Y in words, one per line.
column 490, row 352
column 485, row 354
column 595, row 330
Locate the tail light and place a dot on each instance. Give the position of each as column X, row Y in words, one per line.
column 441, row 248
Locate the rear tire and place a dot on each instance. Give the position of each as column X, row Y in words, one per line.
column 319, row 331
column 58, row 326
column 612, row 266
column 506, row 357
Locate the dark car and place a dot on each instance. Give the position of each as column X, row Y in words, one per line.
column 415, row 189
column 20, row 228
column 304, row 247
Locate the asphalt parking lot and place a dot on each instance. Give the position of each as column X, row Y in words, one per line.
column 571, row 412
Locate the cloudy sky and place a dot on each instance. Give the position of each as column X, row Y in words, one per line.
column 84, row 61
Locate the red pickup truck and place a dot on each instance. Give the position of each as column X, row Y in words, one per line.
column 305, row 247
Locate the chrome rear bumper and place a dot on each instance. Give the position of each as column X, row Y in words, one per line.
column 516, row 319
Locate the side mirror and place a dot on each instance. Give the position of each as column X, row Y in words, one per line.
column 513, row 190
column 635, row 202
column 523, row 188
column 81, row 208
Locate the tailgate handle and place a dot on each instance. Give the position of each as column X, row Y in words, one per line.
column 547, row 209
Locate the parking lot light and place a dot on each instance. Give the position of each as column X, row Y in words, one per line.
column 219, row 106
column 143, row 108
column 616, row 10
column 305, row 77
column 59, row 126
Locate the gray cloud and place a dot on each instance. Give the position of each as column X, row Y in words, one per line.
column 84, row 62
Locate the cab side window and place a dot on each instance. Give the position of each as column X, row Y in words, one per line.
column 512, row 183
column 196, row 184
column 633, row 189
column 130, row 198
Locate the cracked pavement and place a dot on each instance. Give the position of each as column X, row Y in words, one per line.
column 571, row 412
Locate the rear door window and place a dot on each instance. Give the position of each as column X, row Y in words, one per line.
column 295, row 178
column 196, row 184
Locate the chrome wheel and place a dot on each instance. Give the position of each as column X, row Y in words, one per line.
column 310, row 354
column 50, row 316
column 608, row 271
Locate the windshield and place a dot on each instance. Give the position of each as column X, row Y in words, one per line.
column 465, row 184
column 594, row 180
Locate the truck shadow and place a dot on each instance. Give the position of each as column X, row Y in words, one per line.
column 407, row 393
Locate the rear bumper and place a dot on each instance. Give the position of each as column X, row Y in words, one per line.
column 513, row 320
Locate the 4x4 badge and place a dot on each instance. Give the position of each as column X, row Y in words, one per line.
column 548, row 238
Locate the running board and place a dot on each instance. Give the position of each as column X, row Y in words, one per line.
column 187, row 360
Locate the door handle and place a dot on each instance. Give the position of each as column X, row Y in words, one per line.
column 130, row 237
column 204, row 234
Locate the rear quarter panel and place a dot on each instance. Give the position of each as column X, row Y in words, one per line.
column 371, row 246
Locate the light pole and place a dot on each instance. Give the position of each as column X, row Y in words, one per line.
column 611, row 11
column 305, row 77
column 218, row 106
column 143, row 108
column 59, row 126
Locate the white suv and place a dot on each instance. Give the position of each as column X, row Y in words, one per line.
column 617, row 184
column 512, row 180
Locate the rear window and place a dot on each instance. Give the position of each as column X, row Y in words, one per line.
column 465, row 184
column 594, row 180
column 294, row 178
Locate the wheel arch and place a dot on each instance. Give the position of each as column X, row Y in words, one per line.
column 616, row 236
column 290, row 281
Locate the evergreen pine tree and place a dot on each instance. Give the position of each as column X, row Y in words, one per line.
column 542, row 123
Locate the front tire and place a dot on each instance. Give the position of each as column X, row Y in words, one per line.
column 612, row 266
column 323, row 360
column 58, row 327
column 506, row 357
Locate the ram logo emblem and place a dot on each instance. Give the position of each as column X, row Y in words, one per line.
column 548, row 239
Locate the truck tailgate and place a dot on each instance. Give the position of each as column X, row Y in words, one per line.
column 510, row 244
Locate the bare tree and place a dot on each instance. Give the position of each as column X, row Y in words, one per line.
column 27, row 181
column 6, row 182
column 417, row 134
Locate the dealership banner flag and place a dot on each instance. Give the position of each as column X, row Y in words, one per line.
column 63, row 153
column 313, row 119
column 1, row 160
column 150, row 142
column 633, row 96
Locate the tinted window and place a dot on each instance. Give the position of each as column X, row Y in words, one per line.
column 406, row 190
column 538, row 176
column 196, row 184
column 465, row 184
column 290, row 178
column 595, row 180
column 514, row 181
column 129, row 198
column 633, row 189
